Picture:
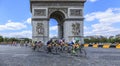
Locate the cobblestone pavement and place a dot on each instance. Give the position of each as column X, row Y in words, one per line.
column 24, row 56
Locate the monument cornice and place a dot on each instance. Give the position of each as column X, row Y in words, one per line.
column 39, row 19
column 74, row 19
column 57, row 0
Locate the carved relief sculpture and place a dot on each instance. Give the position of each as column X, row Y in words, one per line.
column 40, row 28
column 39, row 12
column 75, row 12
column 76, row 28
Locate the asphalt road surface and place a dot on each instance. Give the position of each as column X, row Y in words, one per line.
column 25, row 56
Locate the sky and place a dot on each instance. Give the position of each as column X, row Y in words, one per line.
column 102, row 17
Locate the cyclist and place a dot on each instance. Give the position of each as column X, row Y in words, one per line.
column 35, row 45
column 49, row 46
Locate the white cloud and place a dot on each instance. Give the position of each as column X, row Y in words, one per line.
column 54, row 28
column 22, row 34
column 85, row 28
column 53, row 35
column 28, row 20
column 87, row 33
column 12, row 26
column 92, row 0
column 110, row 15
column 53, row 31
column 105, row 19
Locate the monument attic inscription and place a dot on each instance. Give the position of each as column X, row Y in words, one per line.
column 68, row 13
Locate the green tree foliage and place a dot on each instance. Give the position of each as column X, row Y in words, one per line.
column 13, row 39
column 7, row 40
column 1, row 39
column 111, row 40
column 26, row 39
column 87, row 40
column 117, row 40
column 102, row 40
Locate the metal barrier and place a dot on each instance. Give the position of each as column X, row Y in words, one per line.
column 106, row 46
column 86, row 45
column 95, row 45
column 118, row 46
column 103, row 46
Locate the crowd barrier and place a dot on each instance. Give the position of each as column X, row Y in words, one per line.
column 103, row 46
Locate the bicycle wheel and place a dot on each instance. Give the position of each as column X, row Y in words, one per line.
column 54, row 50
column 45, row 48
column 81, row 52
column 41, row 49
column 37, row 48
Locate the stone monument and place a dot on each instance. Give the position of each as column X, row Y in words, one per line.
column 68, row 13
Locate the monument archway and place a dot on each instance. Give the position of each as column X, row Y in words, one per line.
column 60, row 17
column 68, row 13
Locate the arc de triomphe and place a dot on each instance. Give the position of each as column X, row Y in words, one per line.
column 68, row 13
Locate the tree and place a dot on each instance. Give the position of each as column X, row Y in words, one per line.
column 12, row 39
column 111, row 40
column 117, row 40
column 6, row 39
column 94, row 40
column 87, row 40
column 1, row 39
column 26, row 39
column 104, row 40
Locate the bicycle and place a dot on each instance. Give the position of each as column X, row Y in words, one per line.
column 78, row 50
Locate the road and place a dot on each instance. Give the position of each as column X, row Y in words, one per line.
column 25, row 56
